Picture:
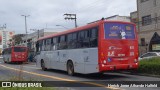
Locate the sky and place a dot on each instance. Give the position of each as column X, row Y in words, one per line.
column 49, row 13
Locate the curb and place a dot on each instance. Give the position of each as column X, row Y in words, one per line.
column 140, row 74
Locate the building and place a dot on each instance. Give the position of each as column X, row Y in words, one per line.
column 134, row 18
column 5, row 38
column 115, row 18
column 118, row 18
column 148, row 22
column 32, row 38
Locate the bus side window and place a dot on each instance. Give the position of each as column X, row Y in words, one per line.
column 74, row 40
column 51, row 45
column 43, row 45
column 37, row 46
column 48, row 44
column 40, row 45
column 58, row 43
column 80, row 39
column 63, row 44
column 69, row 41
column 94, row 37
column 86, row 42
column 55, row 41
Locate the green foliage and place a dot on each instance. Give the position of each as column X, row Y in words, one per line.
column 150, row 66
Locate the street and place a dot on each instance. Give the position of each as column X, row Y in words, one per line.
column 29, row 72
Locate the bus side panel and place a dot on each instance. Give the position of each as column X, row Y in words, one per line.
column 46, row 58
column 42, row 56
column 38, row 60
column 63, row 57
column 85, row 60
column 77, row 56
column 91, row 61
column 54, row 60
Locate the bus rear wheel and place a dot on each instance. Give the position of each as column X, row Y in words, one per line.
column 70, row 68
column 43, row 65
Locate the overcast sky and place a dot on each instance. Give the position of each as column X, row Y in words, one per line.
column 49, row 13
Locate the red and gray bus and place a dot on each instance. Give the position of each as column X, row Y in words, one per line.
column 94, row 48
column 15, row 54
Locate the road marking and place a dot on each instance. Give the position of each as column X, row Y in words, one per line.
column 31, row 67
column 58, row 78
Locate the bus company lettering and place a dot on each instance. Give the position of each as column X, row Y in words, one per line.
column 114, row 48
column 120, row 55
column 111, row 53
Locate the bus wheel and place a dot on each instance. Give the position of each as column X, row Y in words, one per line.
column 43, row 65
column 70, row 68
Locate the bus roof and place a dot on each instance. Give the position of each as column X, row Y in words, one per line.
column 93, row 24
column 16, row 46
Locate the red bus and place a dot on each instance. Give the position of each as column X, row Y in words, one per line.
column 94, row 48
column 15, row 54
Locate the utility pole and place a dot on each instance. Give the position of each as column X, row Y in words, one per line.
column 25, row 17
column 71, row 17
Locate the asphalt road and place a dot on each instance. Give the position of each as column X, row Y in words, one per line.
column 29, row 72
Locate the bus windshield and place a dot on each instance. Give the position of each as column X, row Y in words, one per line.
column 19, row 49
column 119, row 31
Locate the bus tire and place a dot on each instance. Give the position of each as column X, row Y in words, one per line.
column 70, row 68
column 43, row 65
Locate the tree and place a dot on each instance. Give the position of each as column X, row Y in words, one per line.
column 18, row 38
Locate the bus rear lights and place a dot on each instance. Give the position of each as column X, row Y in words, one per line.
column 102, row 65
column 102, row 55
column 104, row 61
column 15, row 55
column 135, row 60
